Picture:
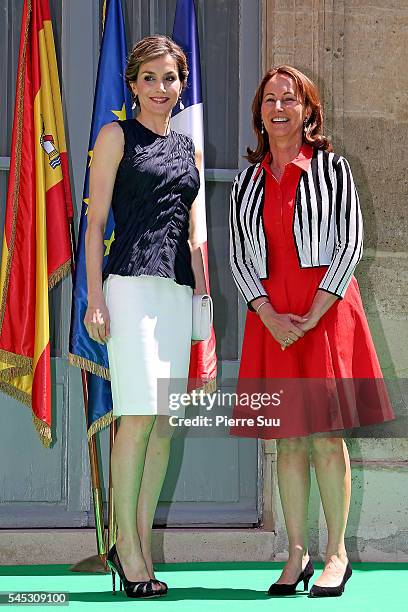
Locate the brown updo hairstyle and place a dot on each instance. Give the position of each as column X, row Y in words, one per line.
column 150, row 48
column 308, row 95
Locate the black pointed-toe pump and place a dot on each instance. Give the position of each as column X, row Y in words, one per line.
column 290, row 589
column 336, row 591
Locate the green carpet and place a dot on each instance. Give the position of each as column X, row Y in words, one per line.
column 195, row 587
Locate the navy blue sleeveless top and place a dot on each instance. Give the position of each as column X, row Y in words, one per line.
column 156, row 183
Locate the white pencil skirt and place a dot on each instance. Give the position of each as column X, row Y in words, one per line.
column 150, row 342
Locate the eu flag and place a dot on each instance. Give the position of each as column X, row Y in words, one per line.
column 112, row 101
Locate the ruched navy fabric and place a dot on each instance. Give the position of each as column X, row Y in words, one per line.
column 156, row 183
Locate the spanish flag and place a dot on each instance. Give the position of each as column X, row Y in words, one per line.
column 36, row 245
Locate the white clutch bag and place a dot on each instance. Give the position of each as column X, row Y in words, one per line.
column 202, row 317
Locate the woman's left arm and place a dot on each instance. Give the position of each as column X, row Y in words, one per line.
column 196, row 242
column 348, row 248
column 348, row 240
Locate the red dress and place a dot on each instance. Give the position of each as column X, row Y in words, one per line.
column 330, row 379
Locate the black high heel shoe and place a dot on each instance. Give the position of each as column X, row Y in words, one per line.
column 163, row 585
column 143, row 588
column 290, row 589
column 326, row 591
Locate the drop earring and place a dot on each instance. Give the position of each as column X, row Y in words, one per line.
column 181, row 105
column 135, row 102
column 262, row 127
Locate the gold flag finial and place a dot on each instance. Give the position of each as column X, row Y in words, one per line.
column 103, row 14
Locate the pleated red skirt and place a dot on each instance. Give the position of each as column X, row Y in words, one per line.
column 330, row 379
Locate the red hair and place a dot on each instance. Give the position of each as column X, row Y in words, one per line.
column 309, row 96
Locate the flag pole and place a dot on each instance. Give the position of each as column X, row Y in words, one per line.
column 95, row 563
column 111, row 508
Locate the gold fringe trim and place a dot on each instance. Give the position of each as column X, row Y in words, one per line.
column 18, row 149
column 15, row 393
column 101, row 423
column 21, row 361
column 208, row 387
column 89, row 366
column 59, row 273
column 43, row 430
column 11, row 373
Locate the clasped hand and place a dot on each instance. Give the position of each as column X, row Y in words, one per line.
column 287, row 328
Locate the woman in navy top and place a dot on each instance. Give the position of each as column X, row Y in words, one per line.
column 156, row 183
column 141, row 304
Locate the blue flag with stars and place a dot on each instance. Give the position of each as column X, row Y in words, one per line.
column 112, row 101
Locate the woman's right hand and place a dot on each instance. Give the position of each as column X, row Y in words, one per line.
column 282, row 326
column 97, row 321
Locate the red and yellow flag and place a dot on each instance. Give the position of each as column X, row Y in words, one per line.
column 36, row 244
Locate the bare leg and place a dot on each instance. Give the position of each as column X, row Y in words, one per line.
column 294, row 487
column 332, row 466
column 127, row 463
column 157, row 458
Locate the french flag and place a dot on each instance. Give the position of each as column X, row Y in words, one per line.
column 188, row 119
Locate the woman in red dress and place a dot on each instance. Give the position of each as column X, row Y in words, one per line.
column 296, row 237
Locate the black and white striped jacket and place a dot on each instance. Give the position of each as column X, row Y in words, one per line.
column 327, row 225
